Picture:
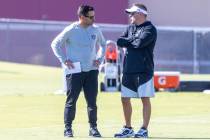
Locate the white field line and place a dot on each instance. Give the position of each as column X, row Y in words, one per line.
column 111, row 124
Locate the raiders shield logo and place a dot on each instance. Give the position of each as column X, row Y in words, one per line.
column 93, row 37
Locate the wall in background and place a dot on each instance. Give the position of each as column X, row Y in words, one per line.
column 109, row 11
column 178, row 12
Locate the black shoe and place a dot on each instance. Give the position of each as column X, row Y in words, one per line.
column 94, row 132
column 68, row 133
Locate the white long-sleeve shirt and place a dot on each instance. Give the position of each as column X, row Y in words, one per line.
column 80, row 45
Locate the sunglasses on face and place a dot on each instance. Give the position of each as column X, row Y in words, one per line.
column 132, row 14
column 90, row 17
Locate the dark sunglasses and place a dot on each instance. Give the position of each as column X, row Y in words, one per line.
column 131, row 14
column 90, row 17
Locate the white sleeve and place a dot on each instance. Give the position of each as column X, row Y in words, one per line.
column 101, row 42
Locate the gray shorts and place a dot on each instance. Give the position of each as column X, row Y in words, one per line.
column 137, row 86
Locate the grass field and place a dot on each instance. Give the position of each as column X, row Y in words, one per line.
column 29, row 109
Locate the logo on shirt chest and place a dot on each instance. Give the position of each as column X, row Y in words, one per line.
column 93, row 36
column 138, row 33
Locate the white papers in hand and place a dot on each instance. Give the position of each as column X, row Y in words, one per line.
column 76, row 69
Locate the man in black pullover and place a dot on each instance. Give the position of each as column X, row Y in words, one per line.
column 138, row 68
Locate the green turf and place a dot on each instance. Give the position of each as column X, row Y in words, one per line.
column 39, row 116
column 20, row 79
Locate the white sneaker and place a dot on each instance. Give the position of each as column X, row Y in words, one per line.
column 142, row 133
column 125, row 133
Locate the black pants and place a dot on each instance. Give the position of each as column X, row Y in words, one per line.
column 75, row 82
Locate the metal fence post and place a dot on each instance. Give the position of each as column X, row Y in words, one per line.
column 195, row 53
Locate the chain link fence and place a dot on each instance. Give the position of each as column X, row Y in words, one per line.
column 178, row 49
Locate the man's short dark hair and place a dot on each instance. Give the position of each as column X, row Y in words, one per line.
column 84, row 9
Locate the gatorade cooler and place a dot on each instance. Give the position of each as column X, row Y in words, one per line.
column 167, row 80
